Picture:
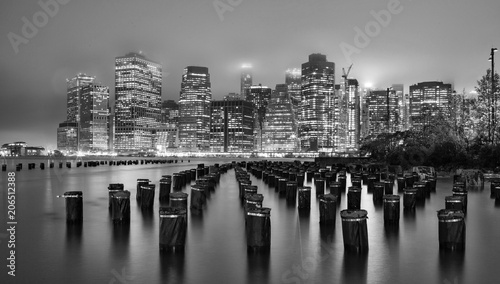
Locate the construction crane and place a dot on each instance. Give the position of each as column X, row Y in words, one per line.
column 346, row 74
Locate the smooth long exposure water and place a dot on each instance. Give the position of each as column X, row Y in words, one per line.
column 50, row 251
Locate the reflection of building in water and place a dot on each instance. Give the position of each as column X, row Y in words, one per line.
column 280, row 128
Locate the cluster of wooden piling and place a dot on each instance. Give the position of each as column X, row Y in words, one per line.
column 289, row 180
column 451, row 219
column 97, row 163
column 173, row 202
column 415, row 187
column 257, row 217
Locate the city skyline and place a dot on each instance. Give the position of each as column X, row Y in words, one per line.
column 401, row 48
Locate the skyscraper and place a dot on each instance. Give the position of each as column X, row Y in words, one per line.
column 383, row 109
column 364, row 117
column 293, row 81
column 74, row 88
column 428, row 99
column 353, row 115
column 402, row 107
column 167, row 136
column 245, row 79
column 231, row 129
column 137, row 102
column 94, row 118
column 339, row 109
column 318, row 83
column 194, row 109
column 259, row 96
column 88, row 111
column 280, row 127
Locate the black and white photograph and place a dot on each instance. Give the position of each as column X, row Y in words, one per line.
column 249, row 141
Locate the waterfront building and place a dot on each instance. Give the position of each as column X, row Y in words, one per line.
column 138, row 83
column 74, row 89
column 194, row 110
column 353, row 116
column 259, row 96
column 402, row 101
column 21, row 149
column 94, row 118
column 383, row 109
column 318, row 87
column 232, row 126
column 67, row 137
column 365, row 118
column 427, row 100
column 280, row 126
column 167, row 135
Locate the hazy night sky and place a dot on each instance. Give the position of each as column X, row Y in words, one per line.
column 444, row 40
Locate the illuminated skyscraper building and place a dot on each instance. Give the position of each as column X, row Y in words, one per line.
column 67, row 137
column 280, row 127
column 318, row 88
column 339, row 110
column 138, row 83
column 232, row 126
column 94, row 118
column 74, row 88
column 402, row 118
column 353, row 115
column 245, row 79
column 167, row 136
column 383, row 110
column 88, row 112
column 194, row 110
column 364, row 117
column 293, row 81
column 259, row 96
column 428, row 99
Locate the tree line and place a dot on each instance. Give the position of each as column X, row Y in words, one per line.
column 466, row 137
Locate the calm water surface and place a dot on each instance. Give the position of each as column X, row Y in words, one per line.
column 50, row 251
